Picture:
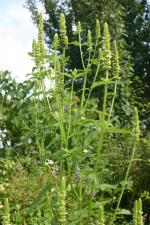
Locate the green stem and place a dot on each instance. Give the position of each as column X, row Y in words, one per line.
column 84, row 84
column 81, row 54
column 59, row 102
column 125, row 181
column 80, row 197
column 105, row 97
column 63, row 77
column 95, row 48
column 91, row 87
column 113, row 100
column 70, row 111
column 102, row 124
column 47, row 100
column 50, row 205
column 100, row 145
column 36, row 105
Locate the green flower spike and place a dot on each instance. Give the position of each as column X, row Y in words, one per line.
column 137, row 213
column 135, row 210
column 56, row 41
column 79, row 29
column 64, row 38
column 107, row 51
column 89, row 40
column 33, row 47
column 115, row 60
column 40, row 34
column 136, row 125
column 98, row 29
column 101, row 216
column 6, row 215
column 37, row 52
column 62, row 202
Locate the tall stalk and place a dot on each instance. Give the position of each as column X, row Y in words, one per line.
column 79, row 30
column 94, row 80
column 136, row 132
column 115, row 76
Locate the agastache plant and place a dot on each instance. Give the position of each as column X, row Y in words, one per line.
column 137, row 213
column 101, row 216
column 62, row 202
column 40, row 35
column 106, row 45
column 70, row 112
column 115, row 67
column 98, row 29
column 6, row 214
column 63, row 36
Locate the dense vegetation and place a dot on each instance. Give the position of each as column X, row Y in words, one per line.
column 129, row 25
column 72, row 151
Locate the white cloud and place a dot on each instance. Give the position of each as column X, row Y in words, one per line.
column 16, row 35
column 14, row 58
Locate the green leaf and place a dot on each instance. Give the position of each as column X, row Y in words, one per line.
column 104, row 82
column 117, row 130
column 106, row 187
column 124, row 212
column 76, row 43
column 94, row 61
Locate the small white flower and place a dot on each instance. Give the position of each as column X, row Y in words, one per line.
column 49, row 162
column 85, row 151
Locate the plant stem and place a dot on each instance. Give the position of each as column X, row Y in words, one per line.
column 113, row 100
column 125, row 180
column 63, row 77
column 105, row 97
column 59, row 101
column 47, row 100
column 91, row 87
column 95, row 48
column 81, row 53
column 84, row 83
column 70, row 110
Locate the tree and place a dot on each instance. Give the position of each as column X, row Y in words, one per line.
column 137, row 24
column 14, row 101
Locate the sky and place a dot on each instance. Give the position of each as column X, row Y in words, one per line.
column 16, row 35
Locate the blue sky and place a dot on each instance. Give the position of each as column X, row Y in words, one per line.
column 16, row 35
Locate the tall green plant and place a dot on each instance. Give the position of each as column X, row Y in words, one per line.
column 73, row 135
column 6, row 214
